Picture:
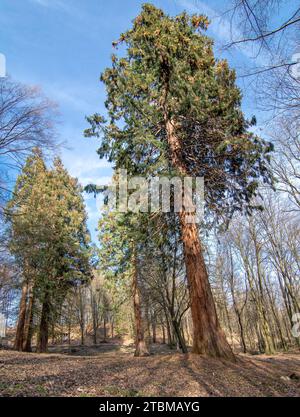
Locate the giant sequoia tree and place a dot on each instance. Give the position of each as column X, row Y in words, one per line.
column 172, row 107
column 49, row 239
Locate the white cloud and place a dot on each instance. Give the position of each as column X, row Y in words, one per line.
column 97, row 180
column 80, row 165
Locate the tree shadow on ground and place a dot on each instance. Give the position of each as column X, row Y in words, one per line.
column 164, row 373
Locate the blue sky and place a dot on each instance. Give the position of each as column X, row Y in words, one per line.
column 64, row 45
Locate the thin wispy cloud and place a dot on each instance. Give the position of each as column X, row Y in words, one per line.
column 70, row 98
column 57, row 5
column 222, row 28
column 49, row 3
column 219, row 26
column 65, row 7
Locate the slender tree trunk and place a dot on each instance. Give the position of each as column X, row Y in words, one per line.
column 208, row 337
column 147, row 322
column 265, row 342
column 28, row 328
column 104, row 327
column 287, row 327
column 179, row 336
column 82, row 334
column 140, row 343
column 81, row 315
column 95, row 320
column 163, row 333
column 95, row 336
column 112, row 328
column 267, row 335
column 265, row 326
column 69, row 333
column 237, row 311
column 153, row 324
column 188, row 330
column 242, row 333
column 227, row 316
column 171, row 342
column 19, row 339
column 275, row 313
column 44, row 326
column 53, row 333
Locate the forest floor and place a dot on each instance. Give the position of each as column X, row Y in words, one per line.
column 111, row 370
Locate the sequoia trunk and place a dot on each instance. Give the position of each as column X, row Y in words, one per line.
column 19, row 339
column 208, row 337
column 28, row 328
column 44, row 326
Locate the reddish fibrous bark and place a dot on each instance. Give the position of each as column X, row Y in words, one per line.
column 28, row 331
column 44, row 326
column 208, row 337
column 19, row 339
